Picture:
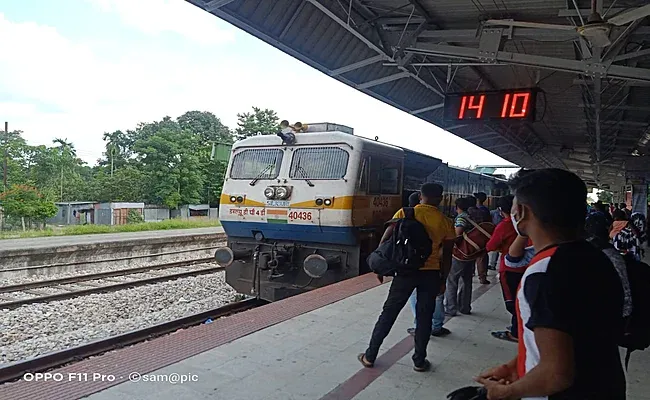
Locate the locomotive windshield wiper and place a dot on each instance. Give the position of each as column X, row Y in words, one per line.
column 304, row 174
column 261, row 174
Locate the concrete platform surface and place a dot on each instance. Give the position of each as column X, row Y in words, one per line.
column 313, row 356
column 59, row 241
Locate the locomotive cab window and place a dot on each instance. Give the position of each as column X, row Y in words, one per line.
column 384, row 175
column 256, row 164
column 319, row 163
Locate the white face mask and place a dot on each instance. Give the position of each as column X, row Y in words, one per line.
column 515, row 224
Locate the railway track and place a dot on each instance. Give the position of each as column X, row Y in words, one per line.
column 48, row 361
column 68, row 286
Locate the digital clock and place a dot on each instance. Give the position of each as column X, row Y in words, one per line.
column 515, row 104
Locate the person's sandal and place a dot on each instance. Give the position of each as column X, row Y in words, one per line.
column 505, row 335
column 423, row 368
column 362, row 359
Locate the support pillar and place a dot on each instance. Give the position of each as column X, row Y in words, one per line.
column 640, row 198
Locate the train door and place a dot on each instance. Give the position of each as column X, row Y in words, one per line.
column 377, row 198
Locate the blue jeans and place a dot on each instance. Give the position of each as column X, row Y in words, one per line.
column 438, row 314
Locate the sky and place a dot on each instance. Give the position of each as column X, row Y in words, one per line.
column 75, row 69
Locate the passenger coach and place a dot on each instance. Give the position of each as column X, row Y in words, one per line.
column 305, row 213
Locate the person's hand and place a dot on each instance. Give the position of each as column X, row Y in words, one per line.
column 496, row 390
column 380, row 278
column 502, row 372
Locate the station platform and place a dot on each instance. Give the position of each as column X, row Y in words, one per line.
column 303, row 347
column 76, row 240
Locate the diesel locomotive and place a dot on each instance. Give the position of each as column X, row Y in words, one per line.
column 304, row 210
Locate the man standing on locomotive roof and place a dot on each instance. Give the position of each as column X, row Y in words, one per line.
column 428, row 280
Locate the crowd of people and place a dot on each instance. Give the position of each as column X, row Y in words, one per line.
column 562, row 274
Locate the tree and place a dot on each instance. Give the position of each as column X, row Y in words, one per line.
column 605, row 196
column 206, row 125
column 118, row 149
column 25, row 202
column 169, row 158
column 259, row 122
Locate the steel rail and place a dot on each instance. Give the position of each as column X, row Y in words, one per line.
column 108, row 288
column 45, row 362
column 100, row 275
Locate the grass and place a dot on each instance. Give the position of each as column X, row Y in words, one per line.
column 93, row 229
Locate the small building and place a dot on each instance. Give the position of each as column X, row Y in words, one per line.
column 156, row 213
column 74, row 213
column 195, row 211
column 116, row 213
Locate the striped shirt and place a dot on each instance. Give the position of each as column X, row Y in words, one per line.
column 573, row 288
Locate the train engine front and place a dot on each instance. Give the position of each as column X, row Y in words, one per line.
column 286, row 207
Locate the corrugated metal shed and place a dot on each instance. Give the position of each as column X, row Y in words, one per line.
column 409, row 53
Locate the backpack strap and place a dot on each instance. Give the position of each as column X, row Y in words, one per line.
column 477, row 226
column 409, row 213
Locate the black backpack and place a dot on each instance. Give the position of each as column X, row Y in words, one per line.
column 636, row 335
column 406, row 250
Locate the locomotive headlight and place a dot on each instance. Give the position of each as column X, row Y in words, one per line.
column 240, row 199
column 319, row 202
column 327, row 202
column 282, row 192
column 233, row 199
column 269, row 192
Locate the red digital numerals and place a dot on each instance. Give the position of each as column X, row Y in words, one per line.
column 515, row 105
column 471, row 106
column 519, row 102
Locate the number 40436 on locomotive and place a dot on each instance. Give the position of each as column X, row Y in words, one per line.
column 303, row 208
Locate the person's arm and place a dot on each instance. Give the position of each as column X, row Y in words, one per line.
column 518, row 247
column 387, row 233
column 445, row 266
column 553, row 374
column 389, row 230
column 494, row 244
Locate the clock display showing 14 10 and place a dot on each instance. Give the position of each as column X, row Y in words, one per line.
column 498, row 105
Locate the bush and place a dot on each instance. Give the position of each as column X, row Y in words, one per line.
column 92, row 229
column 134, row 217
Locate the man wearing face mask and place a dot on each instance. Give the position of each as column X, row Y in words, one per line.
column 569, row 303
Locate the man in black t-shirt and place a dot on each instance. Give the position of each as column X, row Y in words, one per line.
column 569, row 304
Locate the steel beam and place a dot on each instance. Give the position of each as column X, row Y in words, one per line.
column 370, row 44
column 585, row 12
column 529, row 60
column 430, row 108
column 357, row 65
column 481, row 136
column 292, row 20
column 216, row 4
column 383, row 80
column 471, row 35
column 633, row 55
column 400, row 20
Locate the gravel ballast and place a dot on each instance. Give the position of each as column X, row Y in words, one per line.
column 36, row 329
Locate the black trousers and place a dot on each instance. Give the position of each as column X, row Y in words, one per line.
column 509, row 284
column 427, row 284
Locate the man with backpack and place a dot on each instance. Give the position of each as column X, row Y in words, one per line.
column 399, row 239
column 569, row 303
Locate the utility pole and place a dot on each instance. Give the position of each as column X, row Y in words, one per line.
column 4, row 178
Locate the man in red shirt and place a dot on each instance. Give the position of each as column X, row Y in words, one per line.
column 504, row 235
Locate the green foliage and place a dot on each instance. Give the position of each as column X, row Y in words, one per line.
column 259, row 122
column 168, row 162
column 134, row 217
column 605, row 196
column 26, row 202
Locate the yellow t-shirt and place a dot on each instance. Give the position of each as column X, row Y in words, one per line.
column 438, row 227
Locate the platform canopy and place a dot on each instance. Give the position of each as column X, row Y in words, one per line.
column 593, row 69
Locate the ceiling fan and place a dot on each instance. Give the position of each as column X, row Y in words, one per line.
column 595, row 29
